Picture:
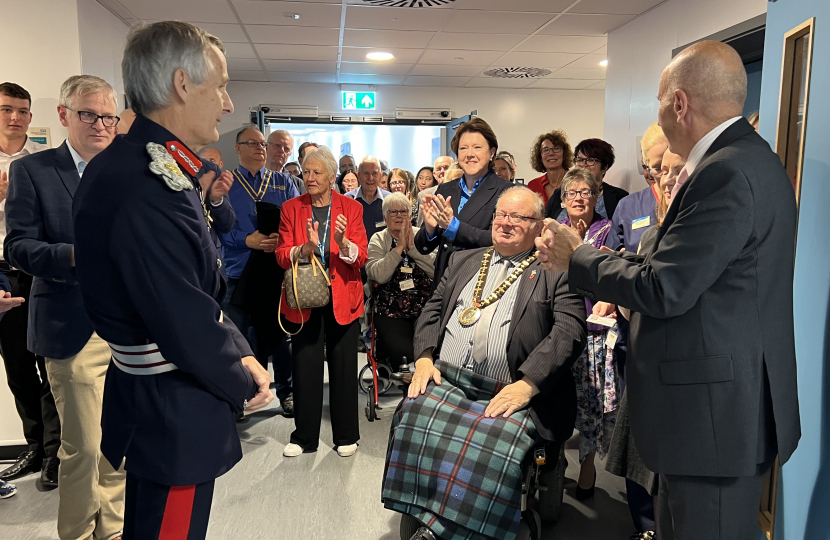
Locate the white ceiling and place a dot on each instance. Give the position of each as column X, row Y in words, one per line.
column 450, row 45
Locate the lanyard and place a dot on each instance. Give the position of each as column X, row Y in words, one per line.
column 321, row 244
column 654, row 191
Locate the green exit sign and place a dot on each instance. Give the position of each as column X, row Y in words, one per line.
column 358, row 101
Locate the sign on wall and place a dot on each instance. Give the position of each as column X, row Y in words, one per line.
column 358, row 101
column 40, row 135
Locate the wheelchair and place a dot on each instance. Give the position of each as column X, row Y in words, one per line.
column 376, row 378
column 542, row 494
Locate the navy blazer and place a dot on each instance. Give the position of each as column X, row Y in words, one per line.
column 149, row 274
column 223, row 216
column 39, row 241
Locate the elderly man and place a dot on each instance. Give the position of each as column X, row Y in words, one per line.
column 370, row 195
column 212, row 155
column 498, row 315
column 347, row 163
column 280, row 146
column 40, row 241
column 180, row 370
column 711, row 357
column 25, row 371
column 439, row 172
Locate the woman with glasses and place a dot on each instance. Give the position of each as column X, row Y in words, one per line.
column 595, row 371
column 552, row 155
column 347, row 181
column 400, row 280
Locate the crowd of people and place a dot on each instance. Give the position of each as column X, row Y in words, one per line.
column 141, row 315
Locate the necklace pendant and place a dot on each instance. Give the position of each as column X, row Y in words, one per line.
column 470, row 316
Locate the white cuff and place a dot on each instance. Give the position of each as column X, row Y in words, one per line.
column 218, row 204
column 353, row 252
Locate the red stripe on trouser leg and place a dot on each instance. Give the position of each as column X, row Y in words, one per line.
column 177, row 512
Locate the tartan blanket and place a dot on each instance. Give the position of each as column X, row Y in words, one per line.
column 454, row 470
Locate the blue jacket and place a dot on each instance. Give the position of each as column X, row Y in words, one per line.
column 149, row 274
column 39, row 241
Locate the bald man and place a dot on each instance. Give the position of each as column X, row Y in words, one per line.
column 213, row 155
column 711, row 365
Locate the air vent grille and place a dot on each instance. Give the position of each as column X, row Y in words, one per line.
column 409, row 3
column 517, row 73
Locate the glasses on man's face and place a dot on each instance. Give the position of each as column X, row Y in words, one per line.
column 583, row 193
column 280, row 148
column 254, row 144
column 397, row 213
column 586, row 161
column 513, row 219
column 88, row 117
column 551, row 150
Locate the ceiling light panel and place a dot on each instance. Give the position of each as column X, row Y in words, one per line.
column 311, row 13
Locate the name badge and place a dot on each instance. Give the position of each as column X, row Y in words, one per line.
column 611, row 340
column 640, row 223
column 406, row 269
column 407, row 284
column 602, row 321
column 380, row 224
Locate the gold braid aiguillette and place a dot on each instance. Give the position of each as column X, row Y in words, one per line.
column 472, row 314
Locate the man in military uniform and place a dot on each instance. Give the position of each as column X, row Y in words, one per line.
column 150, row 279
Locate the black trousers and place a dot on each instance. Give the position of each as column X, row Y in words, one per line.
column 271, row 343
column 157, row 512
column 26, row 375
column 641, row 506
column 711, row 508
column 395, row 339
column 323, row 339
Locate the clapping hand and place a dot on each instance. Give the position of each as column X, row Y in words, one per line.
column 443, row 211
column 4, row 186
column 221, row 187
column 556, row 246
column 428, row 211
column 340, row 233
column 311, row 228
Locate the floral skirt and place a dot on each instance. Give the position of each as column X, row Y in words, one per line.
column 597, row 395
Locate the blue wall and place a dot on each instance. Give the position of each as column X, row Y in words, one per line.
column 804, row 492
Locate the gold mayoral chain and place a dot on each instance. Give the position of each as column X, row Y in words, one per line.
column 472, row 314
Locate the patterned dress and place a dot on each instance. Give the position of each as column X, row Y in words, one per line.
column 595, row 371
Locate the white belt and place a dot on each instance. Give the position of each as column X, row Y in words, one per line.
column 142, row 359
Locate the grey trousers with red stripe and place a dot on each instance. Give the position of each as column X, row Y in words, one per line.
column 158, row 512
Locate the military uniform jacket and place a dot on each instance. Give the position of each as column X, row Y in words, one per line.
column 149, row 274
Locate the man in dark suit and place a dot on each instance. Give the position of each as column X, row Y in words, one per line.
column 460, row 213
column 711, row 365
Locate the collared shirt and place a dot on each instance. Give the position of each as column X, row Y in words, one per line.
column 358, row 193
column 235, row 251
column 457, row 347
column 372, row 210
column 80, row 164
column 698, row 151
column 29, row 147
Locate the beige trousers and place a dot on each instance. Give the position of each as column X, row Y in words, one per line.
column 91, row 492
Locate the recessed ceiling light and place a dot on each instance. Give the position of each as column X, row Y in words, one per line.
column 380, row 56
column 291, row 15
column 459, row 58
column 604, row 63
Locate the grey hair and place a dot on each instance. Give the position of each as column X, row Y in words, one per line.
column 348, row 156
column 323, row 155
column 280, row 132
column 753, row 118
column 153, row 54
column 395, row 198
column 369, row 159
column 578, row 174
column 77, row 85
column 536, row 200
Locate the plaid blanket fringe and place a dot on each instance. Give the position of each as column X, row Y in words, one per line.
column 453, row 469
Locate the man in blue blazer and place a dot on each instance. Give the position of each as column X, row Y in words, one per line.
column 40, row 241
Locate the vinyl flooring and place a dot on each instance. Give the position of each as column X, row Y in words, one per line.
column 320, row 496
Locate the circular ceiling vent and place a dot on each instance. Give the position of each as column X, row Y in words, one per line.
column 409, row 3
column 517, row 73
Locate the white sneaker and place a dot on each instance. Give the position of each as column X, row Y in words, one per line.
column 292, row 450
column 347, row 451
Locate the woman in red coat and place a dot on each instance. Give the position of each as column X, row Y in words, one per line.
column 328, row 226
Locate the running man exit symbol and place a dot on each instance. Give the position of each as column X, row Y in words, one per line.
column 358, row 101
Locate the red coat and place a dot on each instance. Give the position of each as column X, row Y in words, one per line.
column 537, row 185
column 346, row 285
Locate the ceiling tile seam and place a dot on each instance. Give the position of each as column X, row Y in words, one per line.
column 118, row 16
column 343, row 6
column 652, row 8
column 250, row 41
column 426, row 48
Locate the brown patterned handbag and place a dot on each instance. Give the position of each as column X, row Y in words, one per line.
column 305, row 287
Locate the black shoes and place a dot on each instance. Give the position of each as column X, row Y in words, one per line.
column 288, row 406
column 423, row 533
column 585, row 494
column 49, row 472
column 27, row 463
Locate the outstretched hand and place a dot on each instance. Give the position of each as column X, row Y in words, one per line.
column 556, row 246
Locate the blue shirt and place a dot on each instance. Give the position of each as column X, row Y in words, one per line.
column 246, row 190
column 633, row 216
column 452, row 229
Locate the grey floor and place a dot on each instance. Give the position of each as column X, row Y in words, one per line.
column 320, row 496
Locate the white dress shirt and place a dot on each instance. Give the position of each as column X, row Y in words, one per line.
column 80, row 164
column 30, row 147
column 698, row 151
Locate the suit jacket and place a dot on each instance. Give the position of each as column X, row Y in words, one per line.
column 346, row 284
column 224, row 218
column 711, row 365
column 40, row 241
column 476, row 221
column 149, row 274
column 547, row 334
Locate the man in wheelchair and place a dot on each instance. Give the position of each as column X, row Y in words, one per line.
column 496, row 343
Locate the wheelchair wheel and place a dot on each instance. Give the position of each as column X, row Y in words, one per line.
column 551, row 490
column 371, row 410
column 365, row 380
column 530, row 527
column 409, row 526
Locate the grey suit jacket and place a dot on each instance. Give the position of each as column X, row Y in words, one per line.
column 40, row 241
column 547, row 334
column 711, row 365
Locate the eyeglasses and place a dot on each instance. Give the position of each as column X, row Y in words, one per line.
column 254, row 144
column 589, row 161
column 397, row 213
column 513, row 219
column 90, row 118
column 551, row 150
column 281, row 148
column 583, row 193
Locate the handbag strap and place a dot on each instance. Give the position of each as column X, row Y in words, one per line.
column 294, row 267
